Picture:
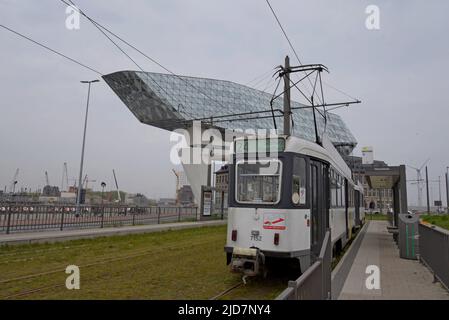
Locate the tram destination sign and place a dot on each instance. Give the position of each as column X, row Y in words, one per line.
column 262, row 145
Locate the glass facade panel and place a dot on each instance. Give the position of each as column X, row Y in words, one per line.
column 169, row 101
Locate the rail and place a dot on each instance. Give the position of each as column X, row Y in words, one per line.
column 315, row 282
column 23, row 217
column 434, row 251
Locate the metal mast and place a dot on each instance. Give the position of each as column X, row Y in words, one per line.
column 116, row 185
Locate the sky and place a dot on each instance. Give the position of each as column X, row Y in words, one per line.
column 398, row 71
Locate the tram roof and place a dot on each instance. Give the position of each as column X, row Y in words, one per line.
column 326, row 152
column 169, row 101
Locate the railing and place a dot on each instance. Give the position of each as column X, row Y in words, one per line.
column 315, row 282
column 434, row 251
column 22, row 217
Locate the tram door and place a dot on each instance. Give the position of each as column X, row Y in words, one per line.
column 319, row 205
column 357, row 208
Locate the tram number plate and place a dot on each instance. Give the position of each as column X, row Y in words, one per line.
column 274, row 221
column 255, row 235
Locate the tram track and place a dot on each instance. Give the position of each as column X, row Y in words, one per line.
column 15, row 253
column 227, row 291
column 103, row 275
column 103, row 261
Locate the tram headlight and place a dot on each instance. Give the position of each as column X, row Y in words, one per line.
column 234, row 235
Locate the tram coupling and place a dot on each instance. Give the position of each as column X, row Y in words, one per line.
column 248, row 261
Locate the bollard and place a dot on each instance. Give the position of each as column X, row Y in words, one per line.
column 62, row 220
column 102, row 217
column 222, row 205
column 179, row 214
column 9, row 220
column 158, row 215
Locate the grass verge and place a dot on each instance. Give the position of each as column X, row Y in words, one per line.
column 438, row 220
column 182, row 264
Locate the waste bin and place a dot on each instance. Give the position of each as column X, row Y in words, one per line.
column 408, row 236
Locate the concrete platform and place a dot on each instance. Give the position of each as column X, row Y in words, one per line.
column 399, row 278
column 54, row 236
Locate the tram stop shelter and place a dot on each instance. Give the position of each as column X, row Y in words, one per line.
column 391, row 177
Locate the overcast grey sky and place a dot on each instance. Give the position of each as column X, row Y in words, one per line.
column 399, row 72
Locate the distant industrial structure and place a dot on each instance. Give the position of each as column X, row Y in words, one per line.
column 184, row 193
column 138, row 199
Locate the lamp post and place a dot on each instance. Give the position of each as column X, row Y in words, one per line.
column 447, row 189
column 103, row 185
column 80, row 184
column 427, row 190
column 439, row 192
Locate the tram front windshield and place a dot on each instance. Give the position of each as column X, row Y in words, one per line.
column 258, row 182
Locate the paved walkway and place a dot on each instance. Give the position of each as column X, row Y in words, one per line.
column 53, row 236
column 399, row 278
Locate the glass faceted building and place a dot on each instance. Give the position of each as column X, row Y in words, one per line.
column 171, row 102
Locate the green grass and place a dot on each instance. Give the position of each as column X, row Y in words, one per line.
column 377, row 217
column 185, row 264
column 438, row 220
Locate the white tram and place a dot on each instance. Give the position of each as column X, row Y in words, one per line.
column 280, row 204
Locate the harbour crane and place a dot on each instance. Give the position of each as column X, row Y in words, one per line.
column 65, row 178
column 86, row 182
column 47, row 181
column 178, row 175
column 116, row 185
column 12, row 185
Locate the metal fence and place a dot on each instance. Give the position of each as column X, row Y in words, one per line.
column 434, row 251
column 20, row 218
column 315, row 282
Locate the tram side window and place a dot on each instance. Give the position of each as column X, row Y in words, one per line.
column 351, row 196
column 333, row 187
column 338, row 191
column 343, row 192
column 299, row 181
column 349, row 200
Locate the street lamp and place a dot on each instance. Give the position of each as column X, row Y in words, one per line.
column 447, row 189
column 80, row 186
column 103, row 185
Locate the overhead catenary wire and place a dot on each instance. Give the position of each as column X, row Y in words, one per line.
column 259, row 77
column 263, row 84
column 50, row 49
column 209, row 118
column 268, row 84
column 299, row 60
column 340, row 91
column 73, row 5
column 288, row 40
column 100, row 26
column 105, row 31
column 322, row 101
